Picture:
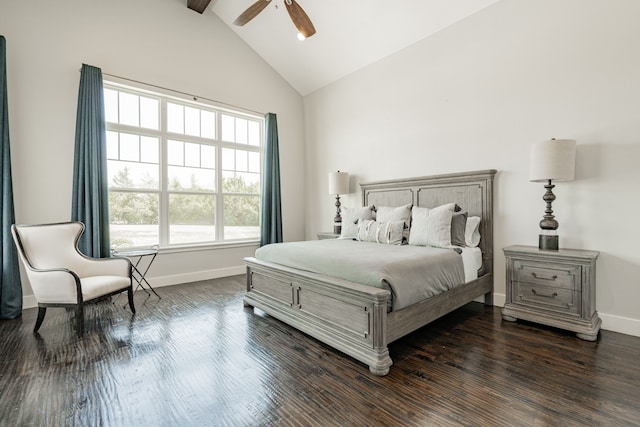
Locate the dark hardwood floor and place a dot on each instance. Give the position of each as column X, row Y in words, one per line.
column 198, row 357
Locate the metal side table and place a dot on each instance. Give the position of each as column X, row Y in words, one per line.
column 139, row 268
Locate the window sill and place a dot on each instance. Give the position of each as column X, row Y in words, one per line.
column 208, row 246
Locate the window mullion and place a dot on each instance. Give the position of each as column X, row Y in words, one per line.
column 219, row 186
column 164, row 195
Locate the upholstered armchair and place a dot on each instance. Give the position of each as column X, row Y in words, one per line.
column 61, row 276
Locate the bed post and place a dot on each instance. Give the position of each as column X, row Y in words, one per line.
column 487, row 245
column 379, row 331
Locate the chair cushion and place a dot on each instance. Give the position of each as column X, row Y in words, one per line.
column 97, row 286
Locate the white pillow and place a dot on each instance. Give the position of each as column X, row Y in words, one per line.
column 389, row 232
column 400, row 213
column 431, row 227
column 386, row 213
column 472, row 231
column 350, row 217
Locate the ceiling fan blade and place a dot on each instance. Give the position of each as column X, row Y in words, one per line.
column 251, row 12
column 300, row 18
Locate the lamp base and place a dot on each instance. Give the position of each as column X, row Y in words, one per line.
column 337, row 229
column 548, row 242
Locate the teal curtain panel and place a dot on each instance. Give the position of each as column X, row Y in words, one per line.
column 11, row 287
column 271, row 213
column 90, row 203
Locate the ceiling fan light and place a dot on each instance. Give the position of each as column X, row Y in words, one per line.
column 301, row 36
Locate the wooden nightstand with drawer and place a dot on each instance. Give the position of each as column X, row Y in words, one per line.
column 555, row 288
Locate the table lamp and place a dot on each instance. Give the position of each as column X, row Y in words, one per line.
column 552, row 160
column 338, row 184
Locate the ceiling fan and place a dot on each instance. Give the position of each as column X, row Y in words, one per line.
column 298, row 16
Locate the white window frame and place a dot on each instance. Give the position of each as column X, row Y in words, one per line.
column 164, row 96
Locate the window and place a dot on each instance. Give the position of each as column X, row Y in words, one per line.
column 180, row 172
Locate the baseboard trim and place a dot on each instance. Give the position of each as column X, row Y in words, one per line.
column 623, row 325
column 29, row 301
column 158, row 282
column 498, row 299
column 610, row 322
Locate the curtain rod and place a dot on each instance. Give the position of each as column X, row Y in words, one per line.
column 194, row 97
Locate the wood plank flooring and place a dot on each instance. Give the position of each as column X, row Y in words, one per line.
column 197, row 357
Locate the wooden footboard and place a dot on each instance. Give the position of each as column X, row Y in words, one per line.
column 348, row 316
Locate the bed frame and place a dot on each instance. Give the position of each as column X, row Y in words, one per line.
column 352, row 317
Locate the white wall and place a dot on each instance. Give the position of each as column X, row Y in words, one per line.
column 159, row 42
column 476, row 96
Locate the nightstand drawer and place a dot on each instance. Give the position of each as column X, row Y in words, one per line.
column 548, row 274
column 553, row 298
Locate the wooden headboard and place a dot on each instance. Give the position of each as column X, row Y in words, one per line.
column 472, row 191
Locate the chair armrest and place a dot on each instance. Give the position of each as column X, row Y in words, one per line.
column 58, row 285
column 104, row 267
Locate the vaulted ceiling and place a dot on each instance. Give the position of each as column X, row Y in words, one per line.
column 351, row 34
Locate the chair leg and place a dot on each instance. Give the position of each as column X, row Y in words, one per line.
column 80, row 319
column 41, row 312
column 130, row 295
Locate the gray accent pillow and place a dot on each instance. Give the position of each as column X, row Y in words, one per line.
column 350, row 217
column 458, row 227
column 388, row 232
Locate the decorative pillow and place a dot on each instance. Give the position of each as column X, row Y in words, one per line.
column 472, row 231
column 400, row 213
column 458, row 227
column 431, row 227
column 388, row 232
column 350, row 217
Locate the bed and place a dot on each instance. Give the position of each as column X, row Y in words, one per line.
column 355, row 318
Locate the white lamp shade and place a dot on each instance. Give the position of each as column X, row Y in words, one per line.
column 554, row 159
column 338, row 182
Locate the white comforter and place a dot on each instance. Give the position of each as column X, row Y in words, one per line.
column 411, row 273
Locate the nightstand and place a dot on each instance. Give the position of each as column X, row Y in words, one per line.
column 555, row 288
column 322, row 235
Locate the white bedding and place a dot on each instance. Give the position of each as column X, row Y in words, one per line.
column 472, row 262
column 411, row 273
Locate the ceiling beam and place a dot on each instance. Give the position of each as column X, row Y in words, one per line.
column 198, row 5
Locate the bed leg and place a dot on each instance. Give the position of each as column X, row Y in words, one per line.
column 488, row 298
column 381, row 372
column 249, row 277
column 381, row 364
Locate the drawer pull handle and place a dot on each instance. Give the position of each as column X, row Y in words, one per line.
column 554, row 277
column 553, row 295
